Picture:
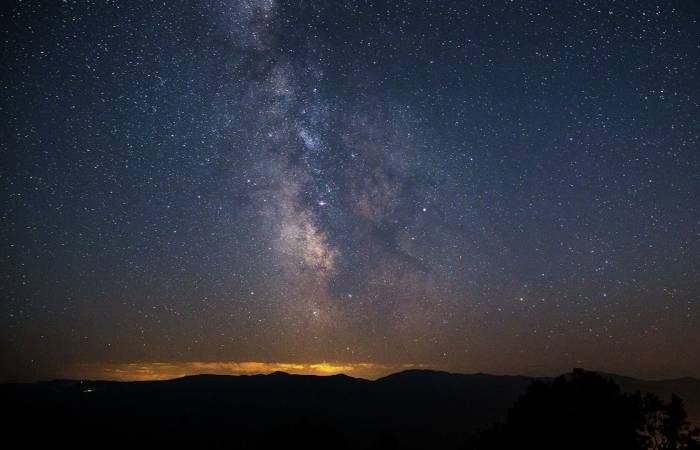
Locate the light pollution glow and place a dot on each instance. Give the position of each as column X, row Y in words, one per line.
column 150, row 371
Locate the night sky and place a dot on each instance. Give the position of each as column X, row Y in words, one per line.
column 359, row 187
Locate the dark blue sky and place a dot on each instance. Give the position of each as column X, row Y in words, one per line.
column 505, row 186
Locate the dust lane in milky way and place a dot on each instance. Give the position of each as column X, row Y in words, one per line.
column 242, row 186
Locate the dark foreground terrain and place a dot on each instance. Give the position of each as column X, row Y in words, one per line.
column 413, row 409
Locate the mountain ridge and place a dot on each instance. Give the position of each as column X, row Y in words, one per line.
column 419, row 372
column 417, row 409
column 413, row 409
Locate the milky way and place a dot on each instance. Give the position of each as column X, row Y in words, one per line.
column 247, row 185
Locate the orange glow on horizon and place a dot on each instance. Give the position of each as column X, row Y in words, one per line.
column 151, row 371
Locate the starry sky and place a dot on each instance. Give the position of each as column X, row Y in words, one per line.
column 239, row 186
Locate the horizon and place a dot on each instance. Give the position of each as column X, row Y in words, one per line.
column 145, row 372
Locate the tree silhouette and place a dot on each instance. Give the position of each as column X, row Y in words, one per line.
column 667, row 426
column 584, row 410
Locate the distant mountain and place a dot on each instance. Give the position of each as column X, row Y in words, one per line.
column 412, row 409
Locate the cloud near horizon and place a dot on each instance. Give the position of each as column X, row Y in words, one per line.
column 147, row 371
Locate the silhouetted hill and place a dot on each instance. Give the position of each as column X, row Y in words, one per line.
column 412, row 409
